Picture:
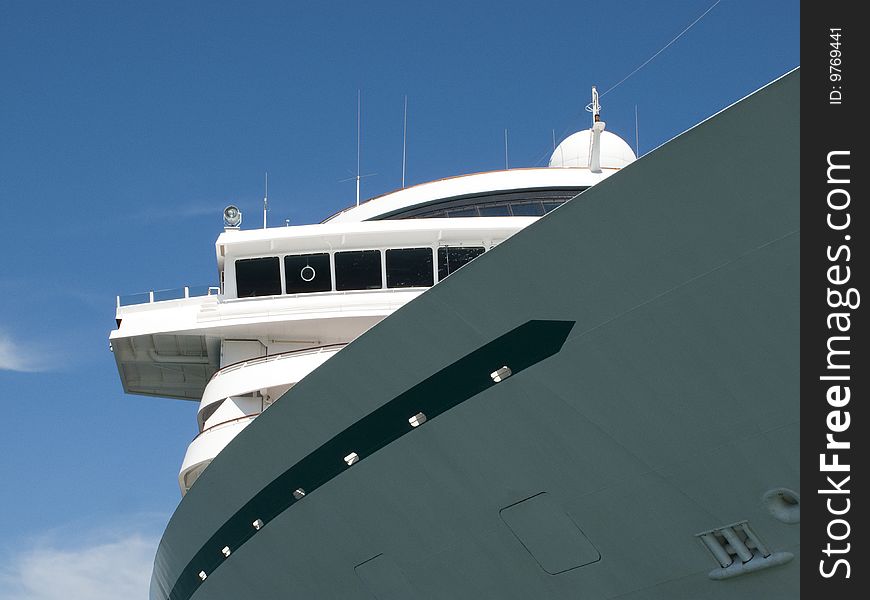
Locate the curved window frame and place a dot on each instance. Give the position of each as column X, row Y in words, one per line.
column 472, row 205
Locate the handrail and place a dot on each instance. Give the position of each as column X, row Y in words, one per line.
column 271, row 357
column 152, row 296
column 327, row 293
column 216, row 425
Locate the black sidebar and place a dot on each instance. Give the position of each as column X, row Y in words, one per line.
column 834, row 336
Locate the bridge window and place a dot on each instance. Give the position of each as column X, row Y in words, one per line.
column 358, row 270
column 452, row 258
column 409, row 267
column 527, row 209
column 306, row 273
column 495, row 210
column 517, row 203
column 258, row 277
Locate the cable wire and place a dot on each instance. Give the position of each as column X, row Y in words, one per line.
column 642, row 65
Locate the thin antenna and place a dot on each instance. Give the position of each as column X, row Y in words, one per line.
column 506, row 165
column 358, row 118
column 266, row 200
column 636, row 135
column 404, row 140
column 554, row 140
column 358, row 175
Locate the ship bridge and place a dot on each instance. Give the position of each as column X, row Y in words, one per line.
column 290, row 298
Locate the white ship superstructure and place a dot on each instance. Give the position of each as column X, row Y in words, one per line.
column 289, row 298
column 604, row 404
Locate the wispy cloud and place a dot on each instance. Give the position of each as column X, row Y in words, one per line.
column 188, row 211
column 113, row 566
column 17, row 356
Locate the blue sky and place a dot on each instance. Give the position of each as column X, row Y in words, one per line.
column 125, row 128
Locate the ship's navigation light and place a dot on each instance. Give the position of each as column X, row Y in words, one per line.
column 501, row 374
column 202, row 575
column 232, row 216
column 298, row 493
column 257, row 524
column 417, row 419
column 351, row 458
column 226, row 551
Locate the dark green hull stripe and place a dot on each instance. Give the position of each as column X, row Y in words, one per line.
column 518, row 349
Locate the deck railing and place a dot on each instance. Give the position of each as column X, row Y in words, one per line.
column 222, row 424
column 152, row 296
column 273, row 357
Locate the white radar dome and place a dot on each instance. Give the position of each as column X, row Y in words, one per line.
column 574, row 151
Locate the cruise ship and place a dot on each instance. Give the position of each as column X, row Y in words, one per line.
column 575, row 381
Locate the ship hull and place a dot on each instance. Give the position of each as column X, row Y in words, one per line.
column 653, row 395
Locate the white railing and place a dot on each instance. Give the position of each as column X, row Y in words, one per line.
column 329, row 293
column 152, row 296
column 224, row 424
column 273, row 357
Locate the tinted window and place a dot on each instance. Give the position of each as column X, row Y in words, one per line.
column 548, row 206
column 307, row 273
column 451, row 259
column 258, row 277
column 496, row 210
column 463, row 212
column 358, row 270
column 409, row 267
column 526, row 203
column 527, row 209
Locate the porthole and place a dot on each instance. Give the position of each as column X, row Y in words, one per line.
column 784, row 504
column 307, row 273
